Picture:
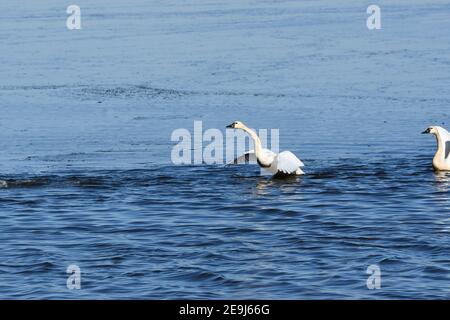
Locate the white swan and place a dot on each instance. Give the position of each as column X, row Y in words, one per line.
column 441, row 160
column 284, row 163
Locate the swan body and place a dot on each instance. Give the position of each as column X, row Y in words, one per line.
column 441, row 160
column 283, row 163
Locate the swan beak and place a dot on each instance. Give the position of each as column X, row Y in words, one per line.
column 230, row 125
column 426, row 131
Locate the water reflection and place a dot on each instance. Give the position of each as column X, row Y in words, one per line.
column 287, row 184
column 442, row 181
column 443, row 186
column 262, row 186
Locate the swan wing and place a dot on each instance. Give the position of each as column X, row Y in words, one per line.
column 447, row 149
column 445, row 136
column 287, row 162
column 250, row 157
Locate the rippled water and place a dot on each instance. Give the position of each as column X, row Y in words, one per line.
column 86, row 176
column 215, row 231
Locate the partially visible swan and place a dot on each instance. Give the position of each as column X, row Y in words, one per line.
column 284, row 163
column 441, row 160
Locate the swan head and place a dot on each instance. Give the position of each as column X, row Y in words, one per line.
column 432, row 130
column 236, row 125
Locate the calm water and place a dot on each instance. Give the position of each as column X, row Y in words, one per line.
column 85, row 170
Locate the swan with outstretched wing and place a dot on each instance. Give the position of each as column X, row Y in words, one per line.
column 283, row 163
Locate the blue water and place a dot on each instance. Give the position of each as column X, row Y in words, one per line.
column 86, row 176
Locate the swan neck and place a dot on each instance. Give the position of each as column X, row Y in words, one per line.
column 262, row 158
column 257, row 141
column 440, row 149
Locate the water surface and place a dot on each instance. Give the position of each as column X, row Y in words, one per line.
column 85, row 168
